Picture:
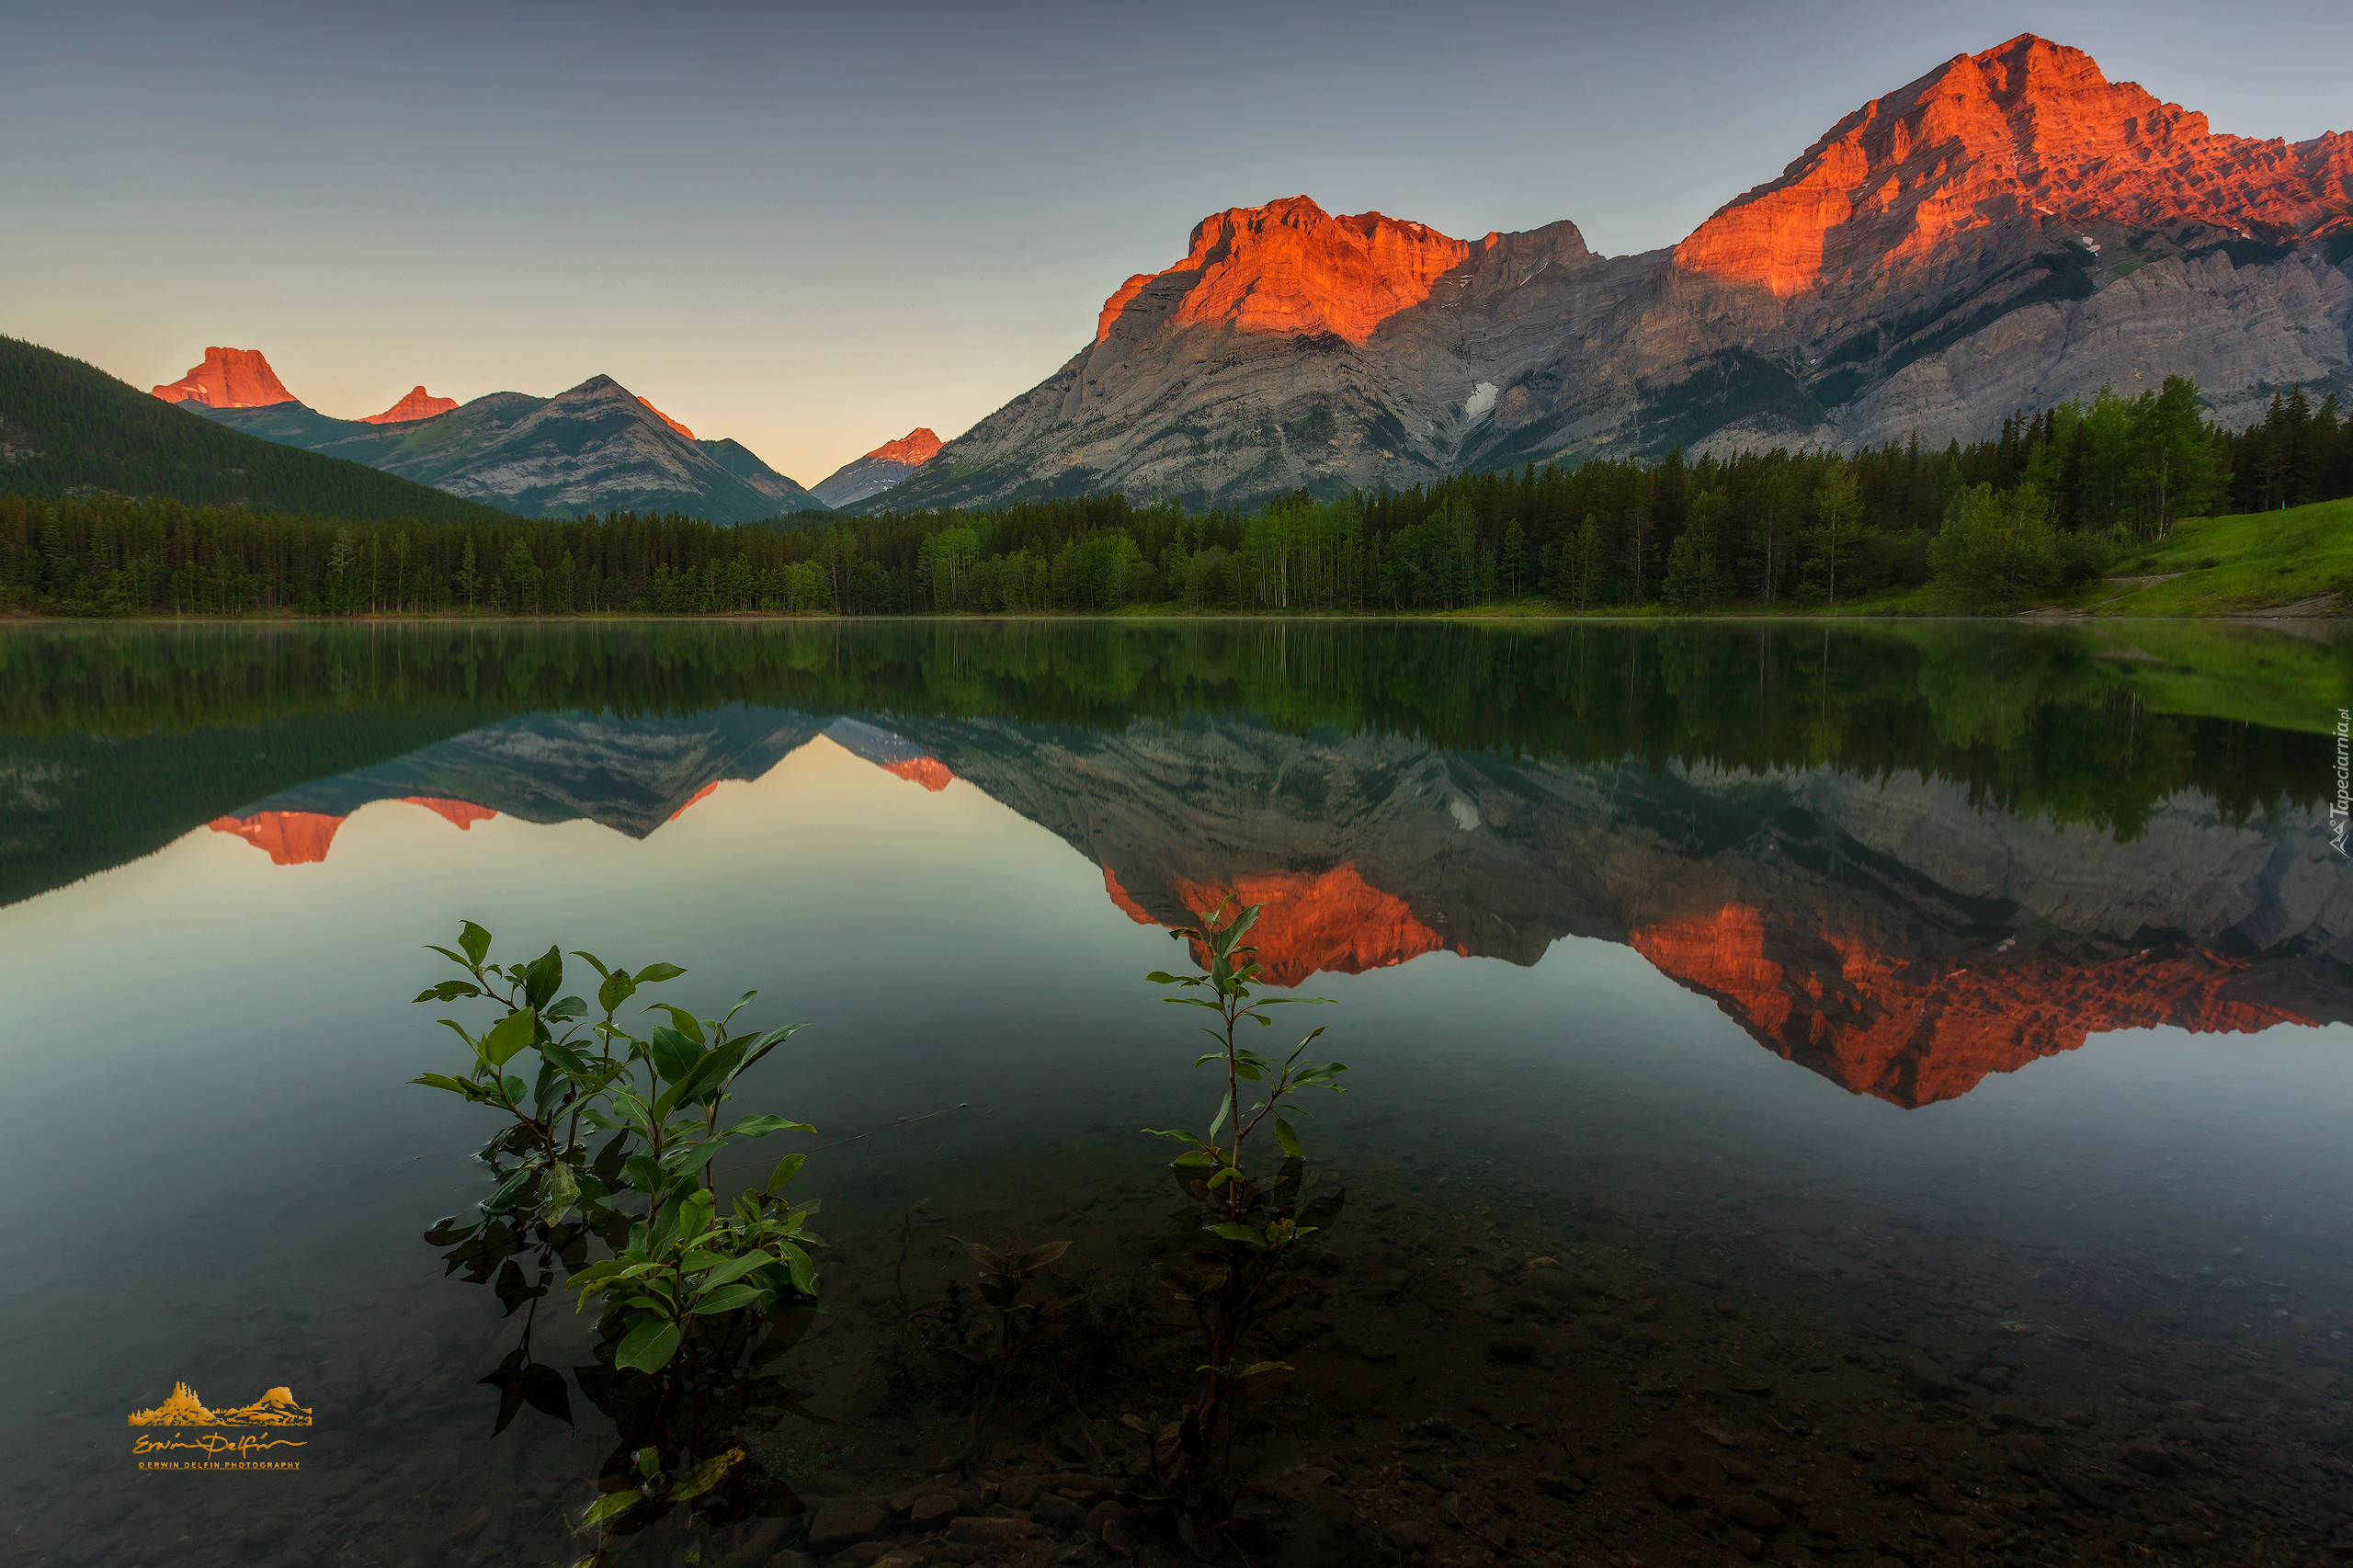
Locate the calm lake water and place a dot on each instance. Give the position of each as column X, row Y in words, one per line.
column 1840, row 1094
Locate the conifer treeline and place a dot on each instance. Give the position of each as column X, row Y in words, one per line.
column 2077, row 483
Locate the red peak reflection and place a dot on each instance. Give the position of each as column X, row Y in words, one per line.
column 1913, row 1034
column 1336, row 922
column 290, row 838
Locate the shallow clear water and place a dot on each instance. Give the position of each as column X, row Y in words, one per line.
column 1893, row 1079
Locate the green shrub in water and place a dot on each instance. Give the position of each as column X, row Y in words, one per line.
column 681, row 1264
column 1243, row 1276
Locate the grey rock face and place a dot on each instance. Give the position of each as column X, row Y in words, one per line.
column 1535, row 348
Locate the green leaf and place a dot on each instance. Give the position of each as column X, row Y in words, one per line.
column 786, row 1169
column 686, row 1023
column 684, row 1163
column 1289, row 1139
column 507, row 1036
column 1194, row 1158
column 1242, row 1234
column 1037, row 1258
column 1231, row 1174
column 443, row 1081
column 448, row 991
column 706, row 1475
column 673, row 1055
column 647, row 1348
column 804, row 1272
column 475, row 940
column 735, row 1268
column 727, row 1299
column 1177, row 1132
column 1260, row 1369
column 1224, row 1109
column 611, row 1503
column 761, row 1125
column 558, row 1193
column 543, row 979
column 655, row 973
column 616, row 989
column 712, row 1072
column 502, row 1198
column 644, row 1173
column 649, row 1463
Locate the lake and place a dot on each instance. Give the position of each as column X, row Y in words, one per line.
column 1838, row 1092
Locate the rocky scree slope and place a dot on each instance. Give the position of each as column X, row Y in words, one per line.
column 2011, row 229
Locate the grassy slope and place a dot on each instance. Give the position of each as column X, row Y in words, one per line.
column 67, row 429
column 2261, row 561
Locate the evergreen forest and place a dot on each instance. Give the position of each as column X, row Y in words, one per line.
column 2033, row 513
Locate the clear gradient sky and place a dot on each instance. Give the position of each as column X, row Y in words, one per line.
column 811, row 228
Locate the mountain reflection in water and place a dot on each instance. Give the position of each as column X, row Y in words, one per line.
column 1903, row 859
column 1610, row 1281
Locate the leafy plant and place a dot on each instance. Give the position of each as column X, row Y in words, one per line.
column 680, row 1263
column 1005, row 1280
column 656, row 1490
column 1231, row 1286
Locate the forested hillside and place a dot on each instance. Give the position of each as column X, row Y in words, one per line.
column 2050, row 502
column 69, row 429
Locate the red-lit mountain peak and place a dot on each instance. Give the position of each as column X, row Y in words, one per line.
column 1913, row 1034
column 418, row 404
column 2029, row 130
column 1292, row 269
column 229, row 378
column 289, row 838
column 667, row 420
column 914, row 449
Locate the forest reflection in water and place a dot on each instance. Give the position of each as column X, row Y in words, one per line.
column 1601, row 1289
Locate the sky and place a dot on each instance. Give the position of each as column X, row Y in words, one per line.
column 813, row 228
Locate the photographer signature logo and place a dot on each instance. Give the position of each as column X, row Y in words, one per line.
column 2340, row 809
column 184, row 1433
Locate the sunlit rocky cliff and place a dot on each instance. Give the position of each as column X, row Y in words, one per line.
column 2011, row 229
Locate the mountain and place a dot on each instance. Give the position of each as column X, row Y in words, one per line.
column 418, row 404
column 2011, row 229
column 879, row 470
column 69, row 429
column 594, row 449
column 229, row 378
column 738, row 461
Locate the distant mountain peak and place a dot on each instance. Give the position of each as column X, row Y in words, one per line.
column 418, row 404
column 667, row 420
column 863, row 478
column 2026, row 132
column 229, row 378
column 917, row 447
